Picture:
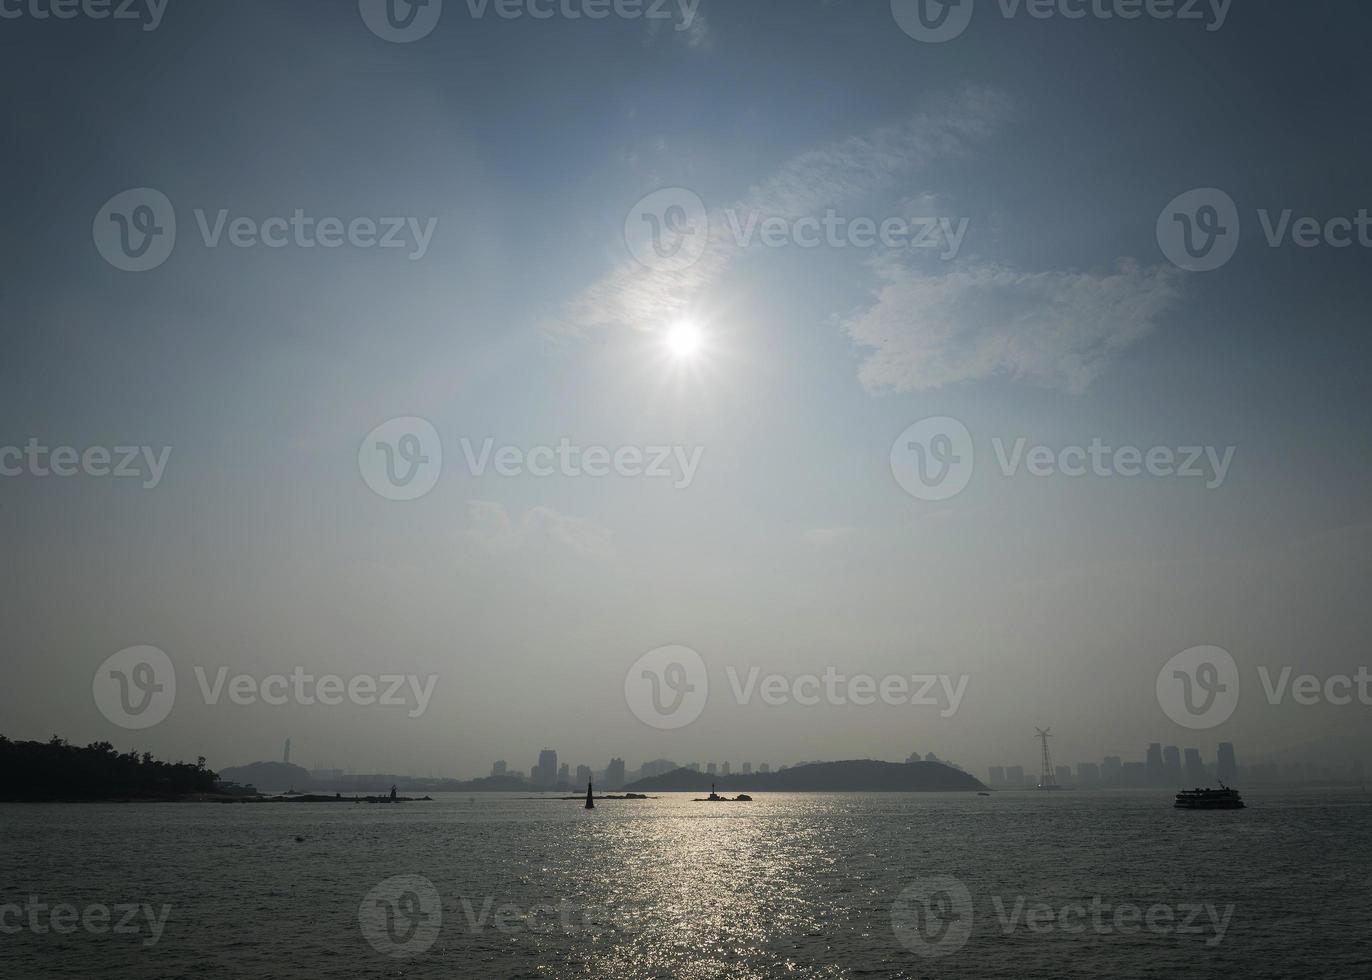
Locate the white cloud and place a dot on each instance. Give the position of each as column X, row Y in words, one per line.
column 1056, row 329
column 1059, row 329
column 490, row 528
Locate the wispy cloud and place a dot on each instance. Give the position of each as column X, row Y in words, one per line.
column 926, row 329
column 1056, row 329
column 490, row 528
column 640, row 298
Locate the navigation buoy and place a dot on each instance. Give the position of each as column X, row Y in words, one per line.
column 590, row 801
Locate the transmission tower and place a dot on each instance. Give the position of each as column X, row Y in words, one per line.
column 1046, row 778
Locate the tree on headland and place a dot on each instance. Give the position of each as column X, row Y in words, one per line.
column 57, row 770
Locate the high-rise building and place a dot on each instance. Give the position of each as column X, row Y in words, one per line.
column 583, row 775
column 997, row 775
column 724, row 769
column 1110, row 767
column 564, row 775
column 1228, row 767
column 1195, row 768
column 1063, row 774
column 1171, row 765
column 546, row 768
column 1156, row 775
column 499, row 768
column 614, row 774
column 711, row 769
column 747, row 769
column 1014, row 777
column 766, row 767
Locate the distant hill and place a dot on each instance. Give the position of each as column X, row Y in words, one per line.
column 269, row 776
column 859, row 776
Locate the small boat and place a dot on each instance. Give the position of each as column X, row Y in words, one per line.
column 1223, row 798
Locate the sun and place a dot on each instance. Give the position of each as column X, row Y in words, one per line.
column 684, row 340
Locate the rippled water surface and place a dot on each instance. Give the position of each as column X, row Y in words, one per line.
column 790, row 885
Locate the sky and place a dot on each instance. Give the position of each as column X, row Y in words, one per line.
column 657, row 231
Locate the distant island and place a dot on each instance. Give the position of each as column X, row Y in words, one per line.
column 56, row 771
column 857, row 776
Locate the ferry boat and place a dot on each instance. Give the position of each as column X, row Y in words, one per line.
column 1223, row 798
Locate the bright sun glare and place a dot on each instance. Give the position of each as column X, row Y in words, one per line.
column 684, row 340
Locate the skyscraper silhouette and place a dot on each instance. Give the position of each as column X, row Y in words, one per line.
column 1228, row 767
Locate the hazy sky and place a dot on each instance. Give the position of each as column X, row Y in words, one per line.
column 524, row 317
